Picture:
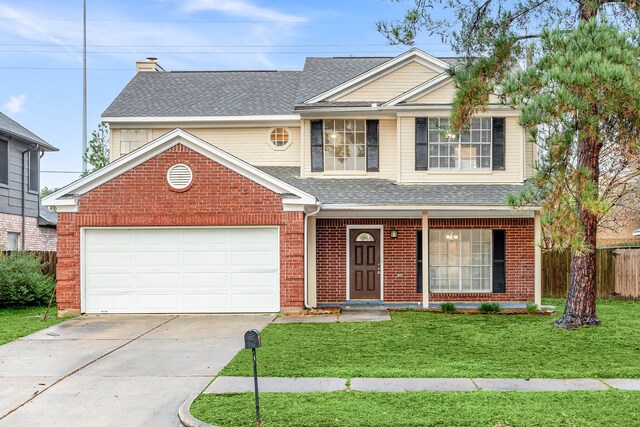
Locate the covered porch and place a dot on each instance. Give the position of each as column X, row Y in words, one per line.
column 366, row 257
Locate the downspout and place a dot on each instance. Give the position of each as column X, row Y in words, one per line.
column 306, row 254
column 24, row 196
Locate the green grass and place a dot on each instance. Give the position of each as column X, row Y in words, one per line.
column 419, row 344
column 482, row 408
column 17, row 322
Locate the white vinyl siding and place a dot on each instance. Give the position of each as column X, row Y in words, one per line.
column 460, row 260
column 390, row 85
column 181, row 270
column 250, row 144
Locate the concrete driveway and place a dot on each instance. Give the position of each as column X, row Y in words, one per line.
column 107, row 370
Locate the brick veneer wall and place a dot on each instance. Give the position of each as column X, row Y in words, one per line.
column 142, row 197
column 37, row 238
column 399, row 258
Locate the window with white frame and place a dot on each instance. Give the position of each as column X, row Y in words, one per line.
column 469, row 150
column 279, row 138
column 460, row 260
column 13, row 241
column 344, row 145
column 130, row 139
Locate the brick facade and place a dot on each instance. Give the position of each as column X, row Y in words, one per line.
column 142, row 197
column 400, row 264
column 36, row 239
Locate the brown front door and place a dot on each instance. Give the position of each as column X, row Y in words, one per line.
column 364, row 264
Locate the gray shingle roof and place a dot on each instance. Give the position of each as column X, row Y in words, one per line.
column 235, row 93
column 47, row 218
column 14, row 128
column 206, row 93
column 383, row 191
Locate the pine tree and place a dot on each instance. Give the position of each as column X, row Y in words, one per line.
column 580, row 96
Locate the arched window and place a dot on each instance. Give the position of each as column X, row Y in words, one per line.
column 365, row 237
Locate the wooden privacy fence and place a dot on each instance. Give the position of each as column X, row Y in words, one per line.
column 49, row 260
column 617, row 273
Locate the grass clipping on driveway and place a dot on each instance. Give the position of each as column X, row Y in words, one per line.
column 481, row 408
column 420, row 344
column 18, row 322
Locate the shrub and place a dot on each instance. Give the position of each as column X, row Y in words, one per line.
column 22, row 281
column 489, row 307
column 531, row 307
column 448, row 307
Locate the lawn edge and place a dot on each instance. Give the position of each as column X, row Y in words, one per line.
column 185, row 417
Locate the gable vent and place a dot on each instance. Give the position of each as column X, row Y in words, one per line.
column 179, row 176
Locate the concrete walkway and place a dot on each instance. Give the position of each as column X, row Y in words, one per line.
column 266, row 384
column 345, row 316
column 109, row 370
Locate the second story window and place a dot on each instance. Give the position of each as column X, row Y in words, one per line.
column 4, row 161
column 467, row 151
column 279, row 138
column 34, row 171
column 344, row 145
column 130, row 139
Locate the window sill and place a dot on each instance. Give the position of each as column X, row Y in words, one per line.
column 460, row 292
column 346, row 174
column 461, row 171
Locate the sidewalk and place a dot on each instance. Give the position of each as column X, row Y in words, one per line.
column 276, row 384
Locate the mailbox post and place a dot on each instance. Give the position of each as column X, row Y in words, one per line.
column 252, row 341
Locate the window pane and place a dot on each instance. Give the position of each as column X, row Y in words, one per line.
column 460, row 260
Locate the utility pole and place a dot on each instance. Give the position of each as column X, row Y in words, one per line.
column 84, row 85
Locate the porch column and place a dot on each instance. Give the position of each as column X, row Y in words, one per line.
column 537, row 257
column 425, row 259
column 312, row 298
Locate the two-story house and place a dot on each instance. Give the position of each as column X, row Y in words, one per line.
column 261, row 191
column 24, row 223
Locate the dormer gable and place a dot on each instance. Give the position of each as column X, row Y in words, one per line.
column 388, row 80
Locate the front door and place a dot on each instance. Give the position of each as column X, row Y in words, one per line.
column 364, row 264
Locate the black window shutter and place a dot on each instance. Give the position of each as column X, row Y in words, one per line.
column 499, row 272
column 4, row 161
column 498, row 143
column 317, row 153
column 419, row 261
column 422, row 157
column 372, row 146
column 34, row 170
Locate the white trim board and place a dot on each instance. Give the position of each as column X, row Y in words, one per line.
column 196, row 119
column 348, row 272
column 67, row 197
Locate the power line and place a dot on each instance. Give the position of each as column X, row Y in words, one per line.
column 347, row 52
column 192, row 21
column 60, row 172
column 214, row 45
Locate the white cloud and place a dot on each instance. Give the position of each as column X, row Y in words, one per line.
column 15, row 104
column 174, row 43
column 242, row 8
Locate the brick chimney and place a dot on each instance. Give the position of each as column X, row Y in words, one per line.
column 150, row 64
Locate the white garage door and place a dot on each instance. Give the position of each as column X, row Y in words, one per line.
column 181, row 270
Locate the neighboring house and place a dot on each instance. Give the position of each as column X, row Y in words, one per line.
column 260, row 191
column 24, row 223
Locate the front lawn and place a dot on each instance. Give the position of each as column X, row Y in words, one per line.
column 18, row 322
column 419, row 344
column 481, row 408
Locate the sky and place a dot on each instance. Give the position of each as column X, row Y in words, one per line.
column 41, row 52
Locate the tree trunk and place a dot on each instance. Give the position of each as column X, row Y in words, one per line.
column 581, row 295
column 580, row 309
